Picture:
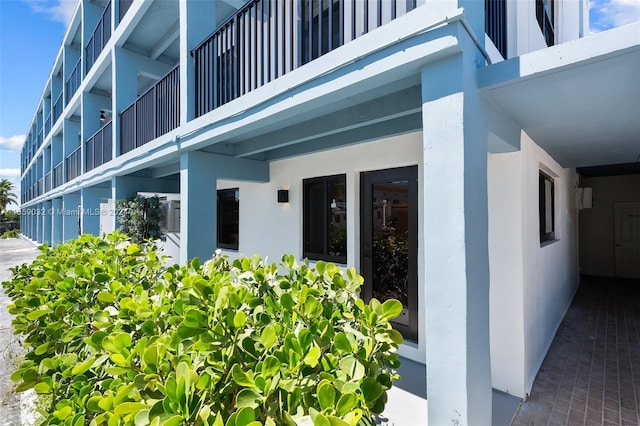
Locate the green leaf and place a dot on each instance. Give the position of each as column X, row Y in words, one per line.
column 106, row 297
column 391, row 308
column 129, row 407
column 42, row 387
column 346, row 403
column 321, row 420
column 312, row 357
column 133, row 248
column 245, row 416
column 395, row 336
column 270, row 366
column 351, row 367
column 34, row 315
column 42, row 348
column 52, row 276
column 241, row 378
column 248, row 398
column 83, row 367
column 371, row 389
column 239, row 319
column 341, row 342
column 326, row 395
column 268, row 336
column 172, row 421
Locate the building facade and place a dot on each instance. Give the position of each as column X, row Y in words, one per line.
column 432, row 144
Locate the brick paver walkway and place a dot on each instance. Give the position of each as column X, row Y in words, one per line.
column 591, row 375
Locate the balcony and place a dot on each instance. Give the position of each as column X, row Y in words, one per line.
column 58, row 177
column 99, row 39
column 266, row 39
column 57, row 109
column 73, row 82
column 40, row 187
column 153, row 114
column 495, row 22
column 123, row 6
column 97, row 148
column 73, row 164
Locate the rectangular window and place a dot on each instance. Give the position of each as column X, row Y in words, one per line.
column 228, row 218
column 325, row 218
column 546, row 19
column 546, row 207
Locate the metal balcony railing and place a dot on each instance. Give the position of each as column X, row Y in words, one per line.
column 266, row 39
column 495, row 22
column 40, row 187
column 73, row 82
column 73, row 164
column 153, row 114
column 39, row 139
column 123, row 6
column 97, row 149
column 48, row 182
column 99, row 39
column 57, row 109
column 58, row 176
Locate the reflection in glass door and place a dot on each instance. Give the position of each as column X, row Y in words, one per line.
column 389, row 239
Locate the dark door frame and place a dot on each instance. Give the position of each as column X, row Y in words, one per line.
column 367, row 180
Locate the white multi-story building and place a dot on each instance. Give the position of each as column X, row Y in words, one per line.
column 432, row 144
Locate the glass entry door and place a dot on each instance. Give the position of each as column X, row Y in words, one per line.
column 389, row 241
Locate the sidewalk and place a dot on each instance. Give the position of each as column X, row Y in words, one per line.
column 13, row 252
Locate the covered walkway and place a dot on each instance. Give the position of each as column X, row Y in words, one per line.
column 591, row 374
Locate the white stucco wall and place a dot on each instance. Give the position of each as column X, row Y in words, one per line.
column 597, row 246
column 550, row 270
column 271, row 229
column 504, row 179
column 532, row 285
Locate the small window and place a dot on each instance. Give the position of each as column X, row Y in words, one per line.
column 228, row 218
column 546, row 207
column 324, row 218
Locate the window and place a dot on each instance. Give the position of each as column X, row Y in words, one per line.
column 228, row 218
column 325, row 218
column 546, row 19
column 546, row 207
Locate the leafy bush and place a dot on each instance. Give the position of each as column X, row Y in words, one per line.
column 140, row 217
column 14, row 233
column 117, row 338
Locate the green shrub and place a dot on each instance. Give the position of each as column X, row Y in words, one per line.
column 140, row 218
column 14, row 233
column 117, row 338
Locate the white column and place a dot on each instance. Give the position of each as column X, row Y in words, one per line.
column 456, row 244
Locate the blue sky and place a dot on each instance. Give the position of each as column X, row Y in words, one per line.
column 31, row 32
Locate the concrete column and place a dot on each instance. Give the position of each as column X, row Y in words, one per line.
column 198, row 205
column 91, row 199
column 56, row 221
column 456, row 243
column 47, row 223
column 70, row 217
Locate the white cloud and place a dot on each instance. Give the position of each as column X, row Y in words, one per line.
column 606, row 14
column 58, row 10
column 9, row 173
column 13, row 143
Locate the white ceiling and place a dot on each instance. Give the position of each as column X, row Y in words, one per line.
column 580, row 102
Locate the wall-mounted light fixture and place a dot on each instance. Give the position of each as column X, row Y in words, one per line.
column 283, row 195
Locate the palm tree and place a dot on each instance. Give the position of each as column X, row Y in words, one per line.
column 6, row 196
